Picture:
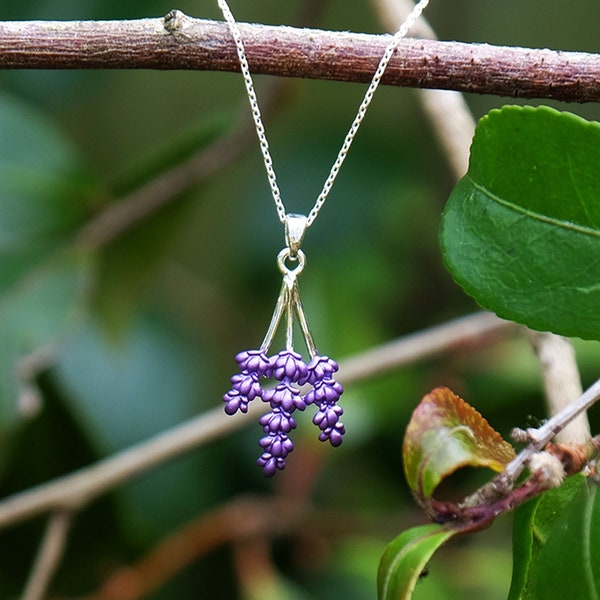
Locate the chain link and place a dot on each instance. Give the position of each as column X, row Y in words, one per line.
column 360, row 114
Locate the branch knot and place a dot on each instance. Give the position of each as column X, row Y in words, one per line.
column 173, row 21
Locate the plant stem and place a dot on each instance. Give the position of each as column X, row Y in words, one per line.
column 177, row 41
column 49, row 556
column 448, row 112
column 562, row 382
column 541, row 436
column 74, row 491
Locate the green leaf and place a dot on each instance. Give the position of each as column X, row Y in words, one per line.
column 521, row 231
column 405, row 558
column 444, row 434
column 556, row 544
column 44, row 197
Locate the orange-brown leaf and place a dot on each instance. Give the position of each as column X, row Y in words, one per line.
column 444, row 434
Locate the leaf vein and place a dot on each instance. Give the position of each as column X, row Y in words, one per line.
column 568, row 225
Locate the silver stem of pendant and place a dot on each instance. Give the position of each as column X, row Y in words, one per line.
column 289, row 330
column 280, row 307
column 362, row 109
column 306, row 334
column 286, row 302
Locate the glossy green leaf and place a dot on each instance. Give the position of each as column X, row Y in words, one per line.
column 44, row 197
column 405, row 558
column 556, row 544
column 444, row 434
column 521, row 231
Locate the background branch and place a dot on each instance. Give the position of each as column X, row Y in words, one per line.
column 181, row 42
column 122, row 215
column 562, row 383
column 455, row 133
column 540, row 437
column 72, row 492
column 49, row 555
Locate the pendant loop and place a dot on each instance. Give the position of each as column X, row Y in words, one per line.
column 295, row 228
column 291, row 274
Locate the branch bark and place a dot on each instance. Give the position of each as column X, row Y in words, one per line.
column 177, row 41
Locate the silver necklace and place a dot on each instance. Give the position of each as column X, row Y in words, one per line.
column 287, row 367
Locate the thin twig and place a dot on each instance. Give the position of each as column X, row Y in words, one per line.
column 181, row 42
column 74, row 491
column 120, row 216
column 562, row 382
column 49, row 555
column 544, row 434
column 455, row 335
column 240, row 519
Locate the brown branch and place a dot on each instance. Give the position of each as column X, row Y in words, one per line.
column 181, row 42
column 74, row 491
column 49, row 555
column 454, row 133
column 240, row 519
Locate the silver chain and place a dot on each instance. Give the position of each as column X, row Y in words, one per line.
column 360, row 114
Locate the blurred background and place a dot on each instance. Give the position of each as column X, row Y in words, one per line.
column 149, row 324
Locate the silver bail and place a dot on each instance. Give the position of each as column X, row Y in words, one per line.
column 295, row 227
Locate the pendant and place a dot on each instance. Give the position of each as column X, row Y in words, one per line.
column 289, row 372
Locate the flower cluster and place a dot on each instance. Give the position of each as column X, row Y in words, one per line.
column 290, row 372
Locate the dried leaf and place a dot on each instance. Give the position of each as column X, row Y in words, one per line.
column 444, row 434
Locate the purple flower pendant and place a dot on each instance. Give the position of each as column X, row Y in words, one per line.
column 288, row 370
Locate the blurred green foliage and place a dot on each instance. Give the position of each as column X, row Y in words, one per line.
column 163, row 309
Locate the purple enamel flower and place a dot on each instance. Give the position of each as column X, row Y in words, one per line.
column 277, row 421
column 325, row 395
column 290, row 372
column 320, row 368
column 277, row 444
column 276, row 447
column 328, row 416
column 286, row 395
column 270, row 464
column 235, row 401
column 334, row 435
column 326, row 390
column 247, row 385
column 289, row 366
column 244, row 388
column 254, row 361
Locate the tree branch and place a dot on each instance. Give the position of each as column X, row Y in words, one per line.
column 177, row 41
column 123, row 214
column 72, row 492
column 562, row 382
column 447, row 111
column 49, row 556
